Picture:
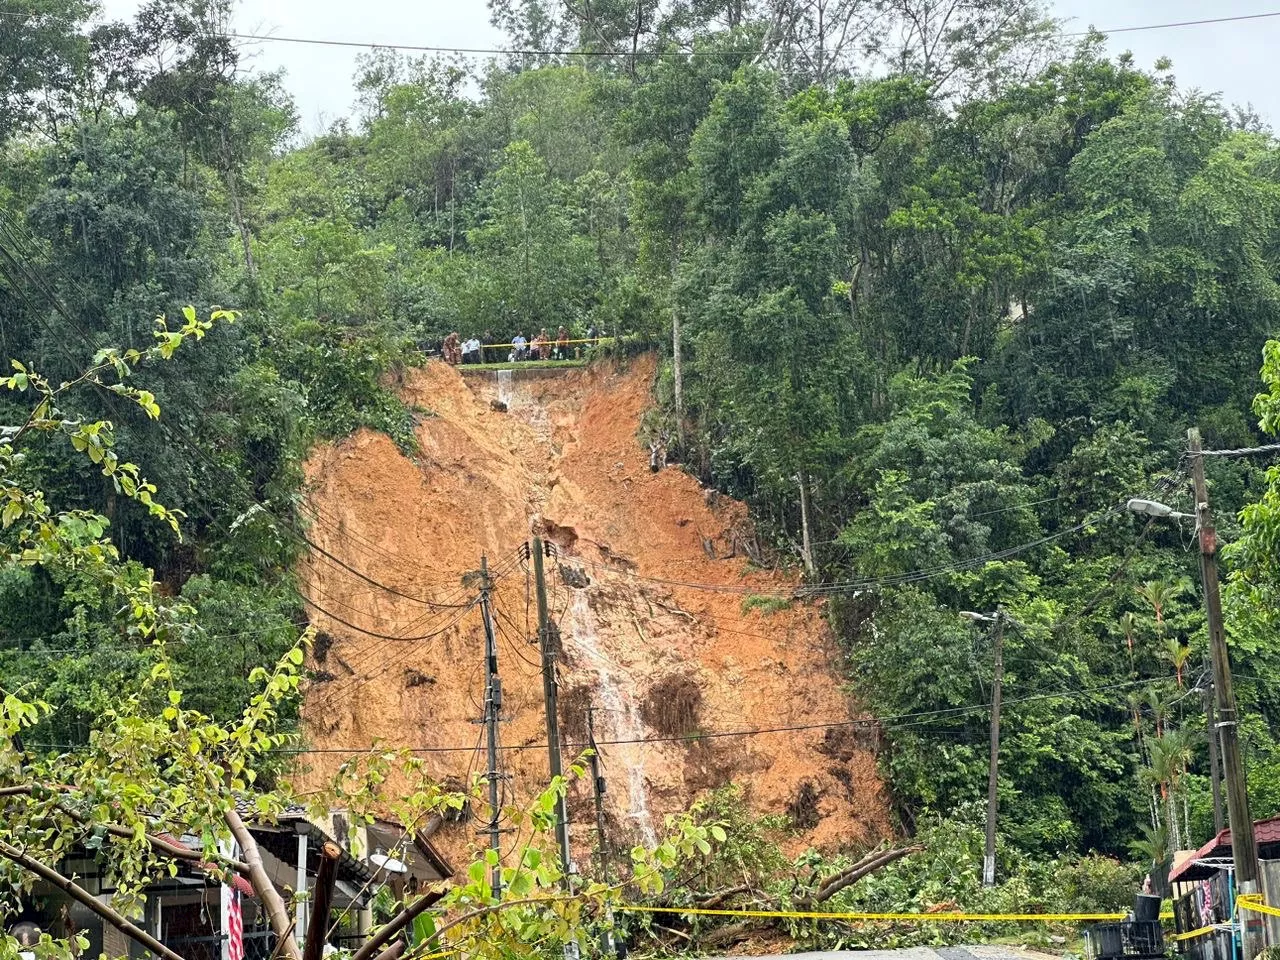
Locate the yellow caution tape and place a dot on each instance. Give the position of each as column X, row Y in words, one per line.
column 950, row 917
column 1255, row 903
column 1190, row 934
column 550, row 343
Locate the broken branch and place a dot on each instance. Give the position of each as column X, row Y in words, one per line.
column 85, row 898
column 267, row 893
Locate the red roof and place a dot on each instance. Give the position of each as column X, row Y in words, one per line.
column 1265, row 832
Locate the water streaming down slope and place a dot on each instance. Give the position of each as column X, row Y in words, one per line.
column 504, row 378
column 619, row 714
column 566, row 461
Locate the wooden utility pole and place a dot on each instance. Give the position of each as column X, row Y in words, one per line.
column 1215, row 765
column 597, row 789
column 607, row 942
column 492, row 711
column 1244, row 850
column 547, row 646
column 326, row 879
column 993, row 766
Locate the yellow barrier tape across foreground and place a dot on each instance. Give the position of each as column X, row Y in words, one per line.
column 1256, row 904
column 1199, row 932
column 924, row 917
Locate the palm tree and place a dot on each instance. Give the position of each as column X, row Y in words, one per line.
column 1156, row 704
column 1129, row 624
column 1134, row 700
column 1170, row 757
column 1153, row 849
column 1160, row 594
column 1178, row 654
column 1164, row 774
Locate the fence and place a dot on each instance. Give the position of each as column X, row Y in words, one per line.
column 258, row 945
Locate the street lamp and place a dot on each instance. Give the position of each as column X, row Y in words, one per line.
column 1244, row 850
column 1151, row 508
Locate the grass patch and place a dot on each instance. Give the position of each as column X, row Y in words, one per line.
column 523, row 365
column 765, row 603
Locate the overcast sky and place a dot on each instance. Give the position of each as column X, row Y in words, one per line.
column 1234, row 59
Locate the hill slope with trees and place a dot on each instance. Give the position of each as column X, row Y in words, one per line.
column 934, row 295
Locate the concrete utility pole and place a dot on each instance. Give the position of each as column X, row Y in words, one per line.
column 993, row 772
column 993, row 765
column 547, row 646
column 492, row 711
column 1244, row 849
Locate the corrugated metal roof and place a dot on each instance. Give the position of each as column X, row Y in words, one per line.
column 1265, row 833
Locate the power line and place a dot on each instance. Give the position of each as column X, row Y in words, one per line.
column 1178, row 23
column 660, row 54
column 893, row 722
column 855, row 586
column 1241, row 451
column 351, row 684
column 354, row 682
column 643, row 54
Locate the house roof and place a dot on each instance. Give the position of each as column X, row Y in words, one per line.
column 248, row 810
column 1266, row 833
column 237, row 881
column 295, row 813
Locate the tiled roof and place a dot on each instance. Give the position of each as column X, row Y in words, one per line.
column 249, row 810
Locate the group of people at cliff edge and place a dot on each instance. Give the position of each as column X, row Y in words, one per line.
column 454, row 350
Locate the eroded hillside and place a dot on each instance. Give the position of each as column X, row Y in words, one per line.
column 658, row 659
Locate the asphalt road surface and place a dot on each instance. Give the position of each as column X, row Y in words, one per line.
column 920, row 953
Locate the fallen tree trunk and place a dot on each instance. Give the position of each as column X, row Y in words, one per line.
column 735, row 932
column 868, row 864
column 281, row 925
column 396, row 924
column 85, row 898
column 326, row 879
column 710, row 901
column 727, row 936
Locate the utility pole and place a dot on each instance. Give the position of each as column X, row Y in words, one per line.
column 1244, row 850
column 607, row 941
column 993, row 771
column 492, row 710
column 547, row 646
column 1215, row 765
column 997, row 621
column 597, row 788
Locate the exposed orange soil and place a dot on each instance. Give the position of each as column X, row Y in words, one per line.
column 566, row 461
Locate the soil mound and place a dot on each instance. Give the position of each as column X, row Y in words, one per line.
column 669, row 666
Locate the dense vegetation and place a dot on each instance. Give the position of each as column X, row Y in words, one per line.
column 935, row 297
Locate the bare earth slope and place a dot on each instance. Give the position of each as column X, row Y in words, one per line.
column 657, row 659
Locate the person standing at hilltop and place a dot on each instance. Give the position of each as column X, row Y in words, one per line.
column 520, row 346
column 542, row 345
column 562, row 345
column 451, row 349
